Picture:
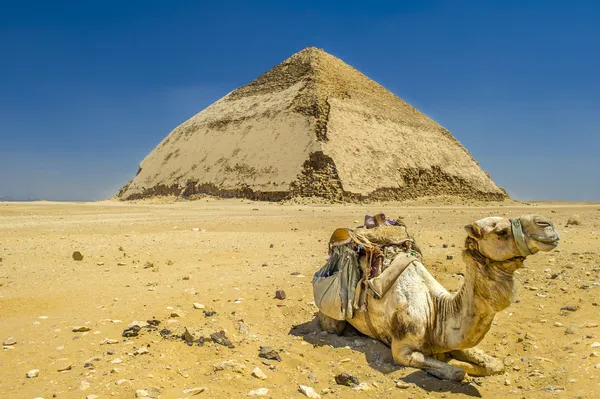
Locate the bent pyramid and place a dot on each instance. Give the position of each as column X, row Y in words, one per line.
column 311, row 126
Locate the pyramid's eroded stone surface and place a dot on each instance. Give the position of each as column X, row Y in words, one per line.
column 311, row 126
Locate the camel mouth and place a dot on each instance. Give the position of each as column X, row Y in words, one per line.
column 548, row 241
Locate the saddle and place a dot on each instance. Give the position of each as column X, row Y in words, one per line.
column 363, row 261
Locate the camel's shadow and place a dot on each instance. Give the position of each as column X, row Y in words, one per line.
column 377, row 355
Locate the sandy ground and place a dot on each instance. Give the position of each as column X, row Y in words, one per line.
column 144, row 262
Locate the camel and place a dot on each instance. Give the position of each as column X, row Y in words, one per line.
column 428, row 328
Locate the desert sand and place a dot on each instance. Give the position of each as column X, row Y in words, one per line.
column 146, row 261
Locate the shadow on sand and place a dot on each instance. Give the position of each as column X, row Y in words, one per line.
column 378, row 356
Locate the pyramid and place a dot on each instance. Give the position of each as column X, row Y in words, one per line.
column 312, row 126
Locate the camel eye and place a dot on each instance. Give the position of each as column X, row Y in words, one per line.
column 502, row 232
column 543, row 224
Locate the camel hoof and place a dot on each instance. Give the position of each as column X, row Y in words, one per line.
column 330, row 325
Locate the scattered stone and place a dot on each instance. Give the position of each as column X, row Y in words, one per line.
column 363, row 386
column 137, row 323
column 309, row 392
column 230, row 364
column 551, row 388
column 597, row 366
column 109, row 341
column 243, row 327
column 33, row 373
column 574, row 220
column 194, row 391
column 266, row 352
column 164, row 332
column 258, row 373
column 402, row 385
column 346, row 379
column 258, row 392
column 280, row 294
column 177, row 313
column 444, row 245
column 10, row 342
column 122, row 381
column 132, row 331
column 557, row 324
column 221, row 339
column 141, row 351
column 92, row 397
column 141, row 393
column 530, row 336
column 121, row 264
column 571, row 330
column 449, row 257
column 209, row 313
column 570, row 308
column 77, row 256
column 151, row 323
column 198, row 306
column 84, row 385
column 188, row 337
column 64, row 367
column 596, row 345
column 81, row 329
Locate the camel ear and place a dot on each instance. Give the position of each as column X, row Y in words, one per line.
column 473, row 230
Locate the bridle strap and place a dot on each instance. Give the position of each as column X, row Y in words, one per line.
column 517, row 230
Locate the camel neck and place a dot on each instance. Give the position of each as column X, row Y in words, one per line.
column 487, row 289
column 488, row 285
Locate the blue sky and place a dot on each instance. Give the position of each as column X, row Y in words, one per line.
column 88, row 88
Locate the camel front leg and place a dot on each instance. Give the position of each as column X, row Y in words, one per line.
column 404, row 356
column 476, row 362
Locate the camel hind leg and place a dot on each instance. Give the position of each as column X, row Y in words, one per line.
column 476, row 362
column 330, row 325
column 404, row 356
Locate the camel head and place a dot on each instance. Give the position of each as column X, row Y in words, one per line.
column 502, row 239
